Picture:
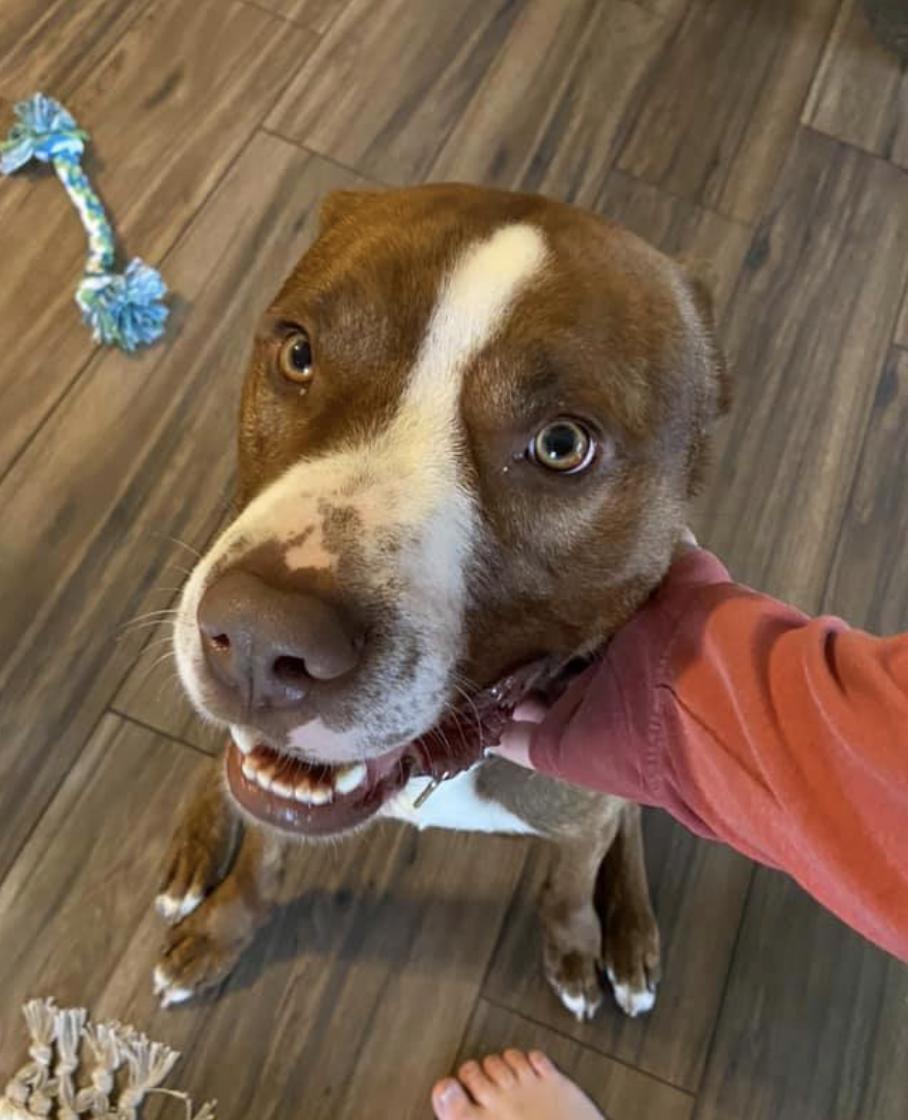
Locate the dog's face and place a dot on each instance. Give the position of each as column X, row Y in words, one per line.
column 469, row 429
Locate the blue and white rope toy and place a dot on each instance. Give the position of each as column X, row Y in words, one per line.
column 124, row 309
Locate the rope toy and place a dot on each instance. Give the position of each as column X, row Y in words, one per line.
column 122, row 309
column 50, row 1085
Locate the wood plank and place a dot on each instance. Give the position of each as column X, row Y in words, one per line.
column 337, row 1002
column 387, row 84
column 142, row 449
column 678, row 227
column 813, row 1026
column 698, row 891
column 70, row 903
column 151, row 692
column 617, row 1089
column 664, row 7
column 547, row 115
column 860, row 94
column 901, row 329
column 316, row 15
column 722, row 109
column 808, row 331
column 868, row 585
column 169, row 108
column 54, row 45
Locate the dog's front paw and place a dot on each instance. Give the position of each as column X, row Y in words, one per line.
column 632, row 961
column 196, row 958
column 574, row 977
column 198, row 859
column 203, row 948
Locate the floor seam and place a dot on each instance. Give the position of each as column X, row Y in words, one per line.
column 726, row 983
column 316, row 154
column 590, row 1047
column 168, row 735
column 280, row 15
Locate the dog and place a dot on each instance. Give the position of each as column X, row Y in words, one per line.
column 470, row 428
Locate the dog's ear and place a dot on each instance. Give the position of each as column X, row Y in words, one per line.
column 714, row 397
column 341, row 206
column 701, row 281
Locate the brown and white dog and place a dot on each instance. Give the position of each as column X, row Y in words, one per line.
column 469, row 431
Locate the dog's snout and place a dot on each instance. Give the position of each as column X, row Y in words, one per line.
column 273, row 645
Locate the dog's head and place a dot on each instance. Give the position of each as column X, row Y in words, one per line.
column 469, row 430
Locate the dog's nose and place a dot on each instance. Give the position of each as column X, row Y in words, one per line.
column 271, row 645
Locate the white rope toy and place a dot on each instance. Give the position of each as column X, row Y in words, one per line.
column 124, row 309
column 48, row 1085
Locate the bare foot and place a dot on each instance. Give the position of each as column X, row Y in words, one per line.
column 511, row 1086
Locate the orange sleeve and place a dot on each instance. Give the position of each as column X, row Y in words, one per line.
column 784, row 736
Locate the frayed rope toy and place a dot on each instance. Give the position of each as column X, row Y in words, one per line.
column 122, row 309
column 55, row 1085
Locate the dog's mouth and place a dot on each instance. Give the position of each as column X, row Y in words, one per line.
column 320, row 799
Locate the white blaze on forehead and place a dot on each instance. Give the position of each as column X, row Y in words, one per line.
column 474, row 302
column 473, row 305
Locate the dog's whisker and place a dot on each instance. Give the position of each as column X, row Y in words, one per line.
column 474, row 711
column 183, row 544
column 137, row 630
column 155, row 643
column 448, row 752
column 154, row 665
column 151, row 614
column 171, row 680
column 177, row 568
column 152, row 618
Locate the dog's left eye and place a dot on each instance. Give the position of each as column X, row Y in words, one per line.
column 295, row 358
column 564, row 445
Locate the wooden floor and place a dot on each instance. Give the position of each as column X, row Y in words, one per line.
column 768, row 135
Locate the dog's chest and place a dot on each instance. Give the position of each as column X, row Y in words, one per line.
column 455, row 804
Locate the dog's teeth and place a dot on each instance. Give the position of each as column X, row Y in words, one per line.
column 348, row 778
column 249, row 771
column 282, row 789
column 243, row 740
column 265, row 779
column 312, row 795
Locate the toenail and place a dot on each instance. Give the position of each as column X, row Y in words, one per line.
column 542, row 1063
column 448, row 1093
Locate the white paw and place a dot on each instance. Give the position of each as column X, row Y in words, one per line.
column 175, row 910
column 580, row 1005
column 167, row 993
column 632, row 1001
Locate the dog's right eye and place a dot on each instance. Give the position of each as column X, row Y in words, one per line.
column 295, row 358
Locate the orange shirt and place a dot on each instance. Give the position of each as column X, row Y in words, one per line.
column 784, row 736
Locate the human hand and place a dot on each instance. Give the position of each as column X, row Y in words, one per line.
column 518, row 734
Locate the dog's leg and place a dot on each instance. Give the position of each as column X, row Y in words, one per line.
column 631, row 934
column 204, row 948
column 201, row 851
column 221, row 882
column 572, row 935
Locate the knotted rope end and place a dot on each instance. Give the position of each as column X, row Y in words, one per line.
column 124, row 309
column 44, row 130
